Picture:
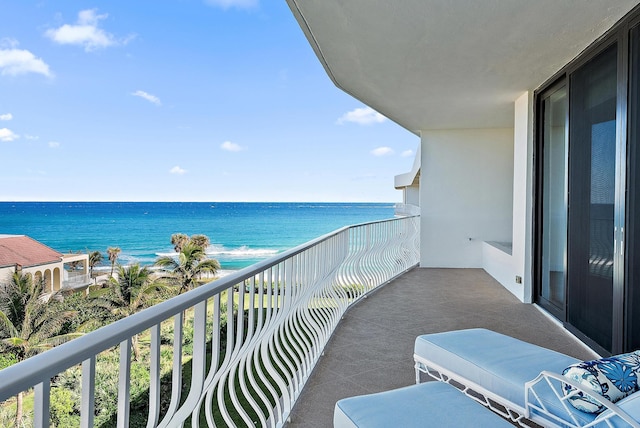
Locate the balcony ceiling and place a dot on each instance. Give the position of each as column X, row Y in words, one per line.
column 443, row 64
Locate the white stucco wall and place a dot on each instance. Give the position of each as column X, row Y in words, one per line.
column 52, row 272
column 5, row 274
column 501, row 266
column 505, row 267
column 412, row 195
column 523, row 192
column 466, row 193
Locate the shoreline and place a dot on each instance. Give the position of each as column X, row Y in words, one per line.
column 101, row 270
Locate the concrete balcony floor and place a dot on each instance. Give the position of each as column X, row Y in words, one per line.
column 372, row 348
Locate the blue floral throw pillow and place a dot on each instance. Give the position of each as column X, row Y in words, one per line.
column 614, row 378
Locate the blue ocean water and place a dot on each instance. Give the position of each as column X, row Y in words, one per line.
column 240, row 233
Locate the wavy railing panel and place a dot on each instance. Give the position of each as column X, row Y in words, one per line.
column 240, row 349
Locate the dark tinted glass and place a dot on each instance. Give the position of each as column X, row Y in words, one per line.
column 592, row 170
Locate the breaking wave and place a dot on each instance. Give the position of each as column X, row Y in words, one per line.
column 240, row 252
column 243, row 252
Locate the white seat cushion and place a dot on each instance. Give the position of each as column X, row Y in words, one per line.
column 430, row 404
column 500, row 364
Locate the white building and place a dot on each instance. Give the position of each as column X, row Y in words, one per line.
column 527, row 113
column 22, row 253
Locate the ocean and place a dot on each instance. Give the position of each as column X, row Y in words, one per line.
column 241, row 233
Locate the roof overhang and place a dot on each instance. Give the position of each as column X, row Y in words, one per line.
column 434, row 64
column 70, row 258
column 412, row 177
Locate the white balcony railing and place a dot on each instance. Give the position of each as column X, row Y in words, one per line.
column 76, row 280
column 406, row 210
column 292, row 303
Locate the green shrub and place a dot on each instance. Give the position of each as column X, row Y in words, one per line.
column 7, row 359
column 64, row 408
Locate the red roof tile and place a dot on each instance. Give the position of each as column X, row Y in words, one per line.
column 25, row 251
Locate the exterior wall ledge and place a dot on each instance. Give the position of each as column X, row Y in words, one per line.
column 506, row 247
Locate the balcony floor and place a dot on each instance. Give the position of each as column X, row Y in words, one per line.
column 372, row 348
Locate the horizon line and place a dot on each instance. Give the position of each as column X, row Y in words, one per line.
column 207, row 202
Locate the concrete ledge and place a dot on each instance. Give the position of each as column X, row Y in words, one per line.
column 497, row 261
column 506, row 247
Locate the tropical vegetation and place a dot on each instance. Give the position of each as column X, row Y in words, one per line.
column 191, row 265
column 28, row 323
column 32, row 321
column 133, row 290
column 113, row 253
column 95, row 258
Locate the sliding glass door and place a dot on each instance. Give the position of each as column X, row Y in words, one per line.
column 587, row 193
column 632, row 229
column 553, row 200
column 592, row 177
column 577, row 169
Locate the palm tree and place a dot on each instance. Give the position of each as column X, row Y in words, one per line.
column 178, row 240
column 95, row 258
column 132, row 291
column 189, row 266
column 29, row 324
column 112, row 253
column 201, row 241
column 74, row 265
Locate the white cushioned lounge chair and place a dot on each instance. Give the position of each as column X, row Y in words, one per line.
column 517, row 379
column 426, row 405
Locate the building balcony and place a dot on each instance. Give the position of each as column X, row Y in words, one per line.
column 74, row 281
column 403, row 210
column 333, row 318
column 371, row 350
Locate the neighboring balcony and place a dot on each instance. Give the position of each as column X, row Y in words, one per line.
column 404, row 210
column 76, row 280
column 234, row 352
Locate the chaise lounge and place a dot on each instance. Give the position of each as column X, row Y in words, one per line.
column 426, row 405
column 522, row 381
column 517, row 380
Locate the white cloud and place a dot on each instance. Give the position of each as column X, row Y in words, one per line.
column 362, row 116
column 239, row 4
column 7, row 135
column 7, row 116
column 382, row 151
column 31, row 137
column 177, row 170
column 54, row 144
column 147, row 96
column 85, row 32
column 231, row 147
column 8, row 43
column 407, row 153
column 20, row 61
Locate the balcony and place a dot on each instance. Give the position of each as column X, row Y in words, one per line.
column 403, row 210
column 286, row 358
column 371, row 350
column 76, row 280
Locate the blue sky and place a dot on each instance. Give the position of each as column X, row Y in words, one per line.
column 181, row 100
